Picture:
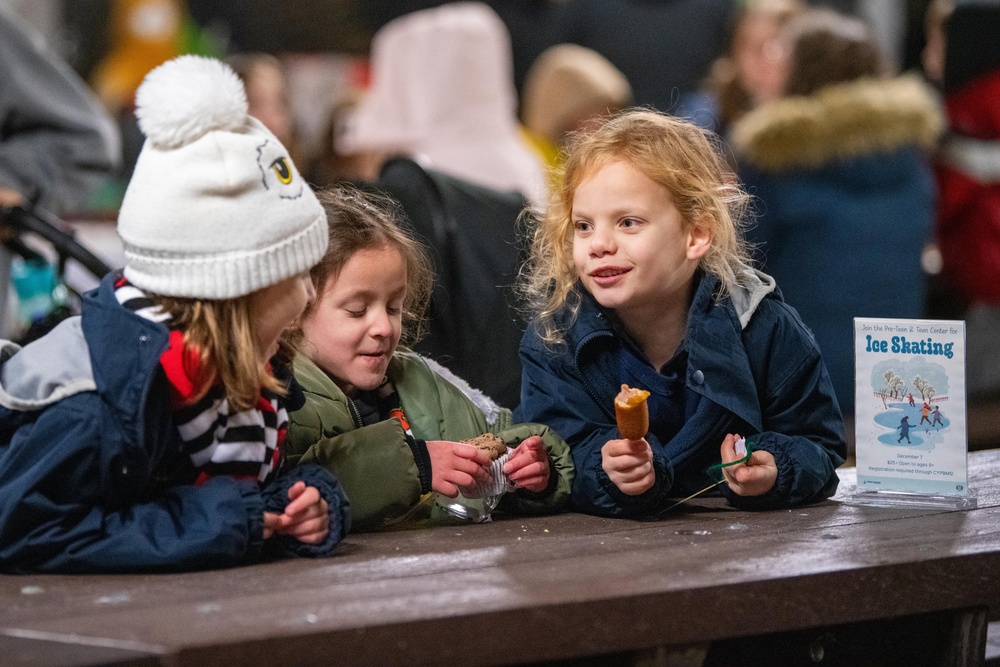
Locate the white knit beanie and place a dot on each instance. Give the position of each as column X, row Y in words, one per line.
column 215, row 208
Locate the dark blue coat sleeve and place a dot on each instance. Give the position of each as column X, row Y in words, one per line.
column 276, row 498
column 802, row 425
column 75, row 500
column 553, row 393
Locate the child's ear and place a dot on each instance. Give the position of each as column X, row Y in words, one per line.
column 699, row 241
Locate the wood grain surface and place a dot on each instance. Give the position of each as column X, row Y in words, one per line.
column 528, row 590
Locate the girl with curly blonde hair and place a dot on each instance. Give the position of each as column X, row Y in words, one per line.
column 639, row 275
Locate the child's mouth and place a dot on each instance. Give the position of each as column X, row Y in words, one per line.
column 608, row 275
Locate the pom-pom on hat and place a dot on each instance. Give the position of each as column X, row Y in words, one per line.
column 215, row 208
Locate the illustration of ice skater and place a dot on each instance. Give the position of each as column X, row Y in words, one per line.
column 912, row 403
column 925, row 414
column 904, row 429
column 937, row 417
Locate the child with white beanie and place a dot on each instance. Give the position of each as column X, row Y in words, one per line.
column 147, row 434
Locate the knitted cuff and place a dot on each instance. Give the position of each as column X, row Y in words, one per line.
column 276, row 499
column 254, row 504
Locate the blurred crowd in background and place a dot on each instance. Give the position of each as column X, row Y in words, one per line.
column 868, row 131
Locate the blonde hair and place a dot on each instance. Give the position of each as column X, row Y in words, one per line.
column 221, row 334
column 360, row 221
column 675, row 154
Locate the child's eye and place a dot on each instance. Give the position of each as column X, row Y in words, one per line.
column 356, row 313
column 629, row 222
column 581, row 226
column 394, row 310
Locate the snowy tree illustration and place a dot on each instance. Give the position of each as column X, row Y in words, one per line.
column 926, row 389
column 887, row 378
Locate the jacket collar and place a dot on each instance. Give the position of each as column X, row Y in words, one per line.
column 125, row 350
column 840, row 121
column 718, row 366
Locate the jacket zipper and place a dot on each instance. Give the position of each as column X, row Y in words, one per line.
column 355, row 415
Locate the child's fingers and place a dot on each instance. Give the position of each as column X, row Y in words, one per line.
column 530, row 470
column 473, row 470
column 309, row 532
column 447, row 489
column 534, row 442
column 315, row 538
column 536, row 483
column 630, row 462
column 464, row 480
column 272, row 523
column 295, row 490
column 314, row 525
column 634, row 473
column 468, row 452
column 729, row 448
column 307, row 497
column 635, row 448
column 272, row 520
column 523, row 458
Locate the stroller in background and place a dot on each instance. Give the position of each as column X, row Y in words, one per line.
column 46, row 272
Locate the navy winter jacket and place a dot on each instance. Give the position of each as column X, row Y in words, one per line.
column 86, row 438
column 754, row 369
column 845, row 198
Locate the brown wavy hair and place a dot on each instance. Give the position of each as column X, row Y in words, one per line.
column 827, row 48
column 360, row 220
column 675, row 153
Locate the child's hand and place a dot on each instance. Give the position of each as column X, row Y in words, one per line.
column 306, row 517
column 629, row 464
column 753, row 478
column 455, row 464
column 528, row 466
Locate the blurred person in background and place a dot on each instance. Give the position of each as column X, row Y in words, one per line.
column 665, row 49
column 264, row 78
column 751, row 73
column 333, row 163
column 567, row 89
column 141, row 34
column 844, row 188
column 57, row 143
column 442, row 93
column 963, row 56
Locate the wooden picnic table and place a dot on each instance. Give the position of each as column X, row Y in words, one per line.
column 830, row 580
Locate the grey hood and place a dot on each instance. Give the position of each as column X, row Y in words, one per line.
column 46, row 371
column 749, row 288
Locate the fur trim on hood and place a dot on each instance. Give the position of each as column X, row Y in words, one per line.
column 839, row 122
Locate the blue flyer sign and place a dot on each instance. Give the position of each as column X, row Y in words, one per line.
column 911, row 432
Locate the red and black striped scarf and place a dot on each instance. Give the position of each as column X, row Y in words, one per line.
column 243, row 444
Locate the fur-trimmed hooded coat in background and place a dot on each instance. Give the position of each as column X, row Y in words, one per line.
column 844, row 204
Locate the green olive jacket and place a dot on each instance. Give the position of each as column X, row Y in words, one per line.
column 374, row 463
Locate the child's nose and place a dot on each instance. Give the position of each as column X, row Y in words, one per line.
column 381, row 324
column 602, row 242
